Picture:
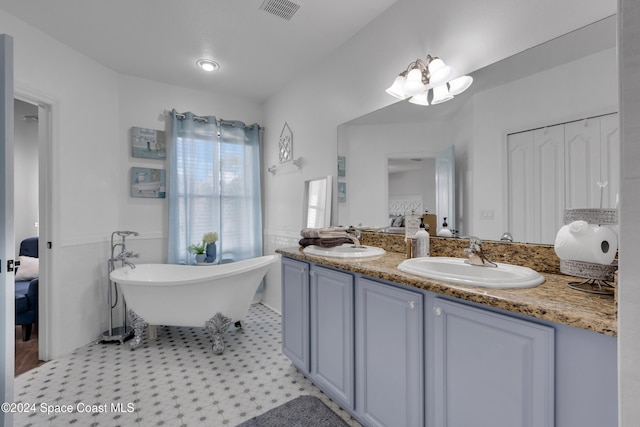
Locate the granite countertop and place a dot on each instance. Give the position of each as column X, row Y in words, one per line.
column 553, row 300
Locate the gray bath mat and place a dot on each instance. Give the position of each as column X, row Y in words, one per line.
column 303, row 411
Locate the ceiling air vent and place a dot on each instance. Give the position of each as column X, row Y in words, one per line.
column 283, row 8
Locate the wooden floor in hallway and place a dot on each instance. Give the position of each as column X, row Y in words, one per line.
column 26, row 352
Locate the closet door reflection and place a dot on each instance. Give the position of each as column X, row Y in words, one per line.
column 567, row 166
column 317, row 203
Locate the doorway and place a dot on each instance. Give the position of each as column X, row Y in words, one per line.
column 32, row 207
column 26, row 225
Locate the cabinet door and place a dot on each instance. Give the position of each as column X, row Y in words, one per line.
column 491, row 369
column 389, row 355
column 295, row 312
column 332, row 356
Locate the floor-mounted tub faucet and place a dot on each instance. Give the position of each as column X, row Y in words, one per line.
column 120, row 333
column 124, row 258
column 124, row 255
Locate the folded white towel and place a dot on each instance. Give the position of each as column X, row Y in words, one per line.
column 327, row 232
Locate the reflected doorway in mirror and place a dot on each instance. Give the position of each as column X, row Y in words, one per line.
column 317, row 202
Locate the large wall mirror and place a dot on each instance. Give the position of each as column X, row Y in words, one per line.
column 550, row 84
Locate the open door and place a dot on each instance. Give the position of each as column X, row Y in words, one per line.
column 7, row 249
column 446, row 188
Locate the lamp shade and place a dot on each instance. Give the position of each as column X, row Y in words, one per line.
column 441, row 94
column 414, row 85
column 460, row 84
column 440, row 72
column 421, row 98
column 397, row 88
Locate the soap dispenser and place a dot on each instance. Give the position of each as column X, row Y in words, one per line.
column 422, row 241
column 444, row 231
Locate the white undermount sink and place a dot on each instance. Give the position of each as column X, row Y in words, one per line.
column 347, row 250
column 458, row 271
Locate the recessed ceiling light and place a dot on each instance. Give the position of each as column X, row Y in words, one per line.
column 207, row 64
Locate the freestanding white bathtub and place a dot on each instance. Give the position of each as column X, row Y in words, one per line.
column 188, row 295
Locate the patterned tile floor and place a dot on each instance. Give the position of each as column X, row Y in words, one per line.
column 173, row 381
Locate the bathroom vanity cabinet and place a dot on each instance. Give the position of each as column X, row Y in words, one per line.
column 394, row 355
column 364, row 326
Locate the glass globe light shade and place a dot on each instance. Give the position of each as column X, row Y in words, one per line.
column 414, row 85
column 441, row 94
column 420, row 99
column 440, row 72
column 460, row 84
column 397, row 88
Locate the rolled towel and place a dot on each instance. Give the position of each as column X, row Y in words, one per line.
column 329, row 242
column 315, row 233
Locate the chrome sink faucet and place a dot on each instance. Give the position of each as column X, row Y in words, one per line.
column 355, row 238
column 476, row 255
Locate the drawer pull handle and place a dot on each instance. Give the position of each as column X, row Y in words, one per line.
column 412, row 304
column 437, row 311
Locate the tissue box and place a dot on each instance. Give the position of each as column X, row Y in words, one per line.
column 431, row 221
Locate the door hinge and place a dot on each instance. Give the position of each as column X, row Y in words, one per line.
column 11, row 264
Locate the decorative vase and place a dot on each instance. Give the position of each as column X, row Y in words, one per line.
column 200, row 258
column 211, row 252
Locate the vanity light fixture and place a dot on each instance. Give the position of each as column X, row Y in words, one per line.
column 207, row 64
column 422, row 76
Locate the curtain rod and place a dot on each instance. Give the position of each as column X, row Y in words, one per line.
column 219, row 122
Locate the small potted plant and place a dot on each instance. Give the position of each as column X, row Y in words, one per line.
column 205, row 251
column 198, row 251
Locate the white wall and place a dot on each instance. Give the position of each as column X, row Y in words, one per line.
column 25, row 172
column 419, row 181
column 93, row 110
column 84, row 95
column 629, row 279
column 140, row 103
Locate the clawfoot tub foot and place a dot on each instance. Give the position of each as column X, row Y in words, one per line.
column 217, row 325
column 139, row 325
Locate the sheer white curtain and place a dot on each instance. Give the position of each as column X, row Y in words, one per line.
column 214, row 185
